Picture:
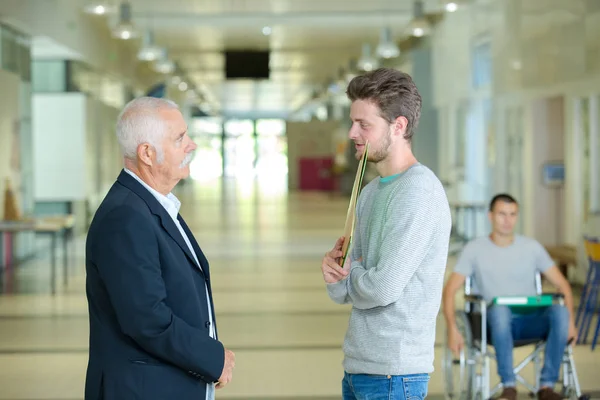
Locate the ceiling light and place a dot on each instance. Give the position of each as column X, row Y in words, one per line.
column 267, row 30
column 183, row 86
column 125, row 29
column 419, row 26
column 149, row 51
column 98, row 8
column 163, row 65
column 451, row 6
column 386, row 47
column 367, row 62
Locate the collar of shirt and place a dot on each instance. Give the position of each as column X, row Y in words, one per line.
column 169, row 202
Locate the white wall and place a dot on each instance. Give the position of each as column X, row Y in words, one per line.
column 59, row 142
column 77, row 157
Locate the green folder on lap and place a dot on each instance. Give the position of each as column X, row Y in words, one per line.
column 351, row 215
column 524, row 304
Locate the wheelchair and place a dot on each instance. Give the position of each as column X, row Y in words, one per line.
column 468, row 376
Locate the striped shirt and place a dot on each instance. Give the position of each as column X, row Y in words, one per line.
column 402, row 235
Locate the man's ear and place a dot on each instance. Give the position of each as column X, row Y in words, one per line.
column 146, row 153
column 400, row 125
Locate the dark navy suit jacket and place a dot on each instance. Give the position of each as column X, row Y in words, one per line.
column 149, row 317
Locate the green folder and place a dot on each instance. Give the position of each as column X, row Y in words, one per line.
column 524, row 304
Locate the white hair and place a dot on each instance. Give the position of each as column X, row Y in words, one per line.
column 140, row 122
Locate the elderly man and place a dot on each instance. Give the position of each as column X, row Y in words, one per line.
column 152, row 324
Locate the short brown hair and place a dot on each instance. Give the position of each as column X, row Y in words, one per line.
column 394, row 93
column 504, row 197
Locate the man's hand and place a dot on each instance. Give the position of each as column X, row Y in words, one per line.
column 332, row 271
column 455, row 341
column 227, row 369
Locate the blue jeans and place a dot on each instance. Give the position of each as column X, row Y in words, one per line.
column 382, row 387
column 506, row 327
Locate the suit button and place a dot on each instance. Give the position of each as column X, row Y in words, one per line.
column 207, row 324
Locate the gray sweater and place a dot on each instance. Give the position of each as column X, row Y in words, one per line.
column 402, row 234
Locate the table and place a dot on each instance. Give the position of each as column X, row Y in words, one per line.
column 564, row 254
column 51, row 225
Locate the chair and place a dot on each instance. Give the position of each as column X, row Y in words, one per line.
column 588, row 307
column 468, row 376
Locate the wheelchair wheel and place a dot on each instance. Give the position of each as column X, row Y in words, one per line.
column 459, row 372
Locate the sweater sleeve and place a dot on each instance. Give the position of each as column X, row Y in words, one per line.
column 408, row 233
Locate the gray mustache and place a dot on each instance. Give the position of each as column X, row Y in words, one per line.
column 188, row 159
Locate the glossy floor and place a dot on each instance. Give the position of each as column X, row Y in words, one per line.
column 265, row 248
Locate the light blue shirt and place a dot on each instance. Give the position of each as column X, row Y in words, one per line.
column 172, row 204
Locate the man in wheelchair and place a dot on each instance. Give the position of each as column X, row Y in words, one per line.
column 504, row 264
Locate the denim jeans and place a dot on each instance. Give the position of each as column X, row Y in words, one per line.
column 382, row 387
column 506, row 327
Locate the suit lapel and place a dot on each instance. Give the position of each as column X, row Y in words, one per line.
column 157, row 209
column 204, row 264
column 201, row 258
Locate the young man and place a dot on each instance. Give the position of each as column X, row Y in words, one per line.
column 505, row 264
column 395, row 273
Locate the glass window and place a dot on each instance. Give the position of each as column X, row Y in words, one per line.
column 207, row 164
column 481, row 65
column 240, row 156
column 206, row 126
column 48, row 76
column 10, row 51
column 15, row 52
column 461, row 133
column 270, row 127
column 234, row 127
column 24, row 53
column 272, row 156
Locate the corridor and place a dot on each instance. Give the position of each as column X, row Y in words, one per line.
column 265, row 249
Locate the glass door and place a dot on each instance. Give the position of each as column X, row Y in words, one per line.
column 208, row 161
column 239, row 149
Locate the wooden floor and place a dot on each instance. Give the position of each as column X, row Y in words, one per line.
column 265, row 249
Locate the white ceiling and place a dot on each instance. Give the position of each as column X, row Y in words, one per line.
column 310, row 41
